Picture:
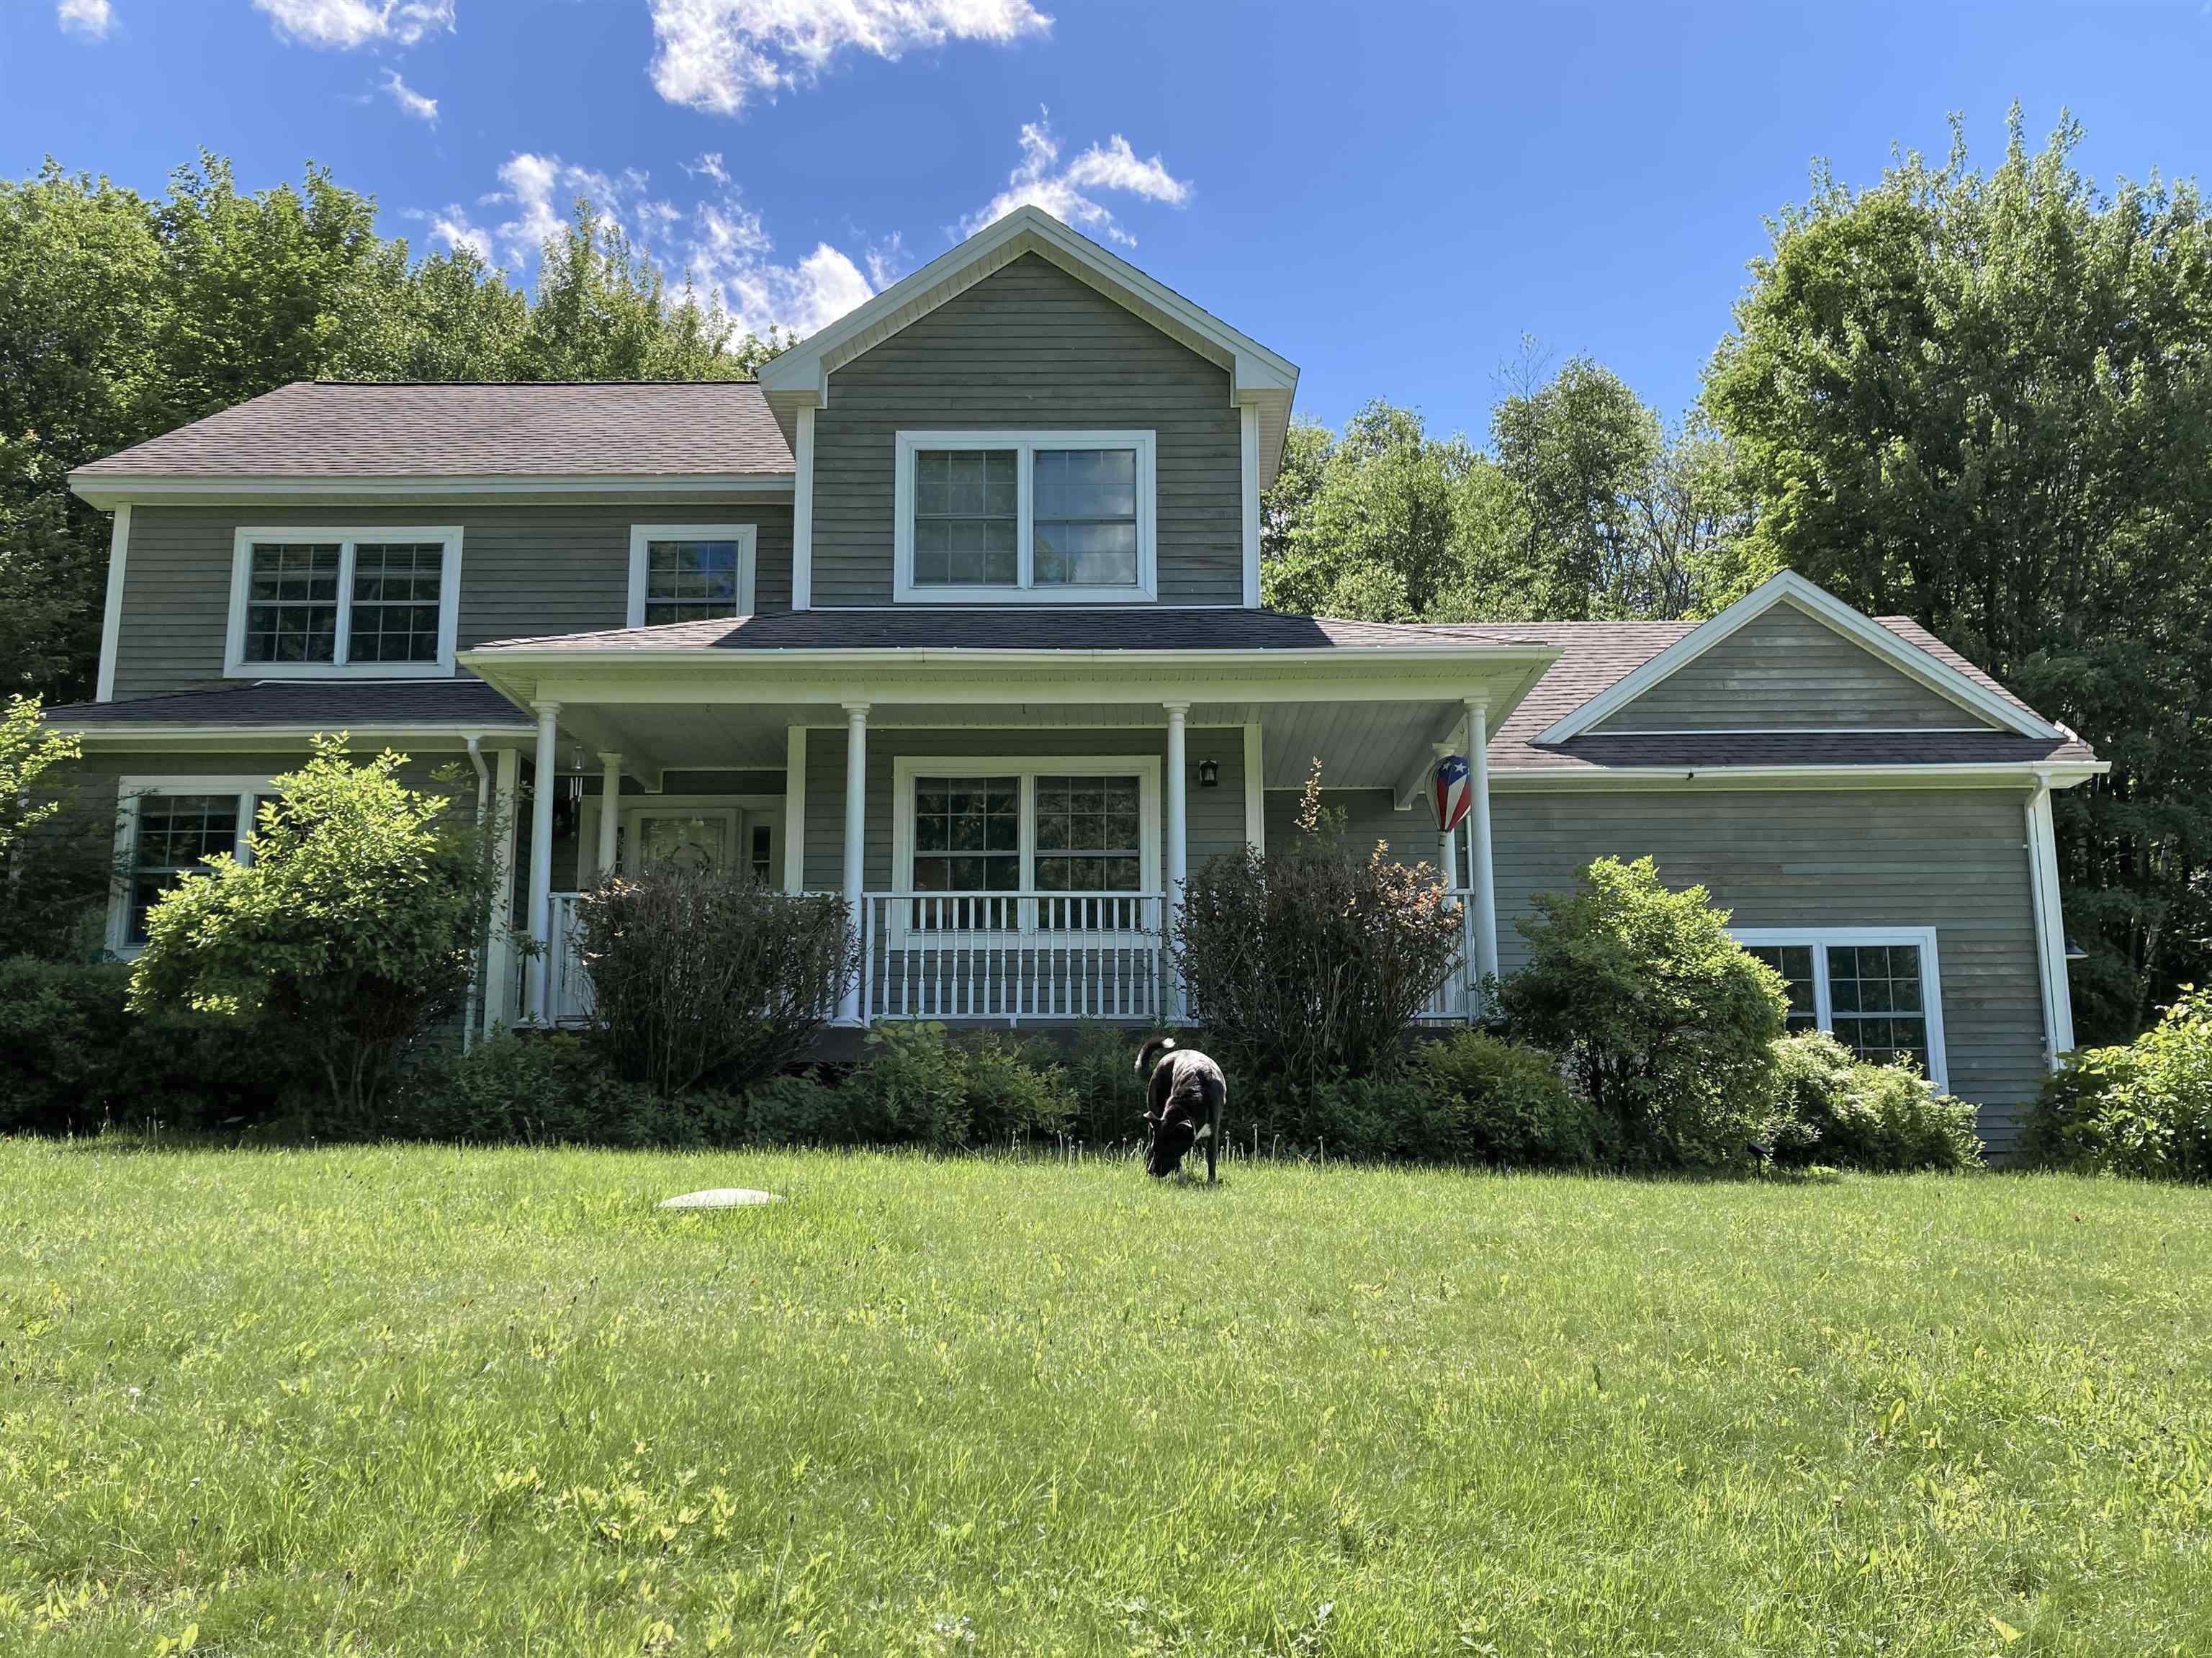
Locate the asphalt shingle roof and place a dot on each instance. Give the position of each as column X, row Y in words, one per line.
column 318, row 428
column 331, row 704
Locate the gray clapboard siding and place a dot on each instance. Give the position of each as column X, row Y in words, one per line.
column 525, row 571
column 1785, row 670
column 1952, row 859
column 1030, row 347
column 1216, row 815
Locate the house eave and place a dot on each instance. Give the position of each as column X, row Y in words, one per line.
column 109, row 490
column 2012, row 774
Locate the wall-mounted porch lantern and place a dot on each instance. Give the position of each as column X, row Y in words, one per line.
column 1209, row 774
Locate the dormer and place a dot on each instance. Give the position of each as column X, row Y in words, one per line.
column 1028, row 419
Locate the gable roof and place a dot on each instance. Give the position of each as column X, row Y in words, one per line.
column 799, row 378
column 1944, row 673
column 469, row 433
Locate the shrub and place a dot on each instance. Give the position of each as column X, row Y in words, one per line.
column 802, row 1110
column 348, row 932
column 1304, row 963
column 699, row 973
column 1668, row 1025
column 75, row 1057
column 917, row 1086
column 1506, row 1104
column 1395, row 1117
column 1833, row 1108
column 2144, row 1108
column 1109, row 1094
column 537, row 1089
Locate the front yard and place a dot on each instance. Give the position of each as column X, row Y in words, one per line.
column 379, row 1400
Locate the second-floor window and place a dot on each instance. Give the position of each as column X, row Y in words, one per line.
column 690, row 572
column 1035, row 517
column 317, row 601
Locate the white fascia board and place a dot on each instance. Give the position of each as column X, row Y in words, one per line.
column 1823, row 606
column 2019, row 773
column 110, row 620
column 165, row 735
column 485, row 662
column 106, row 490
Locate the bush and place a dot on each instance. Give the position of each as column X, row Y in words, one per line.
column 802, row 1110
column 1668, row 1025
column 2144, row 1108
column 1506, row 1104
column 1109, row 1094
column 701, row 973
column 1304, row 964
column 74, row 1058
column 918, row 1086
column 351, row 930
column 540, row 1090
column 1833, row 1108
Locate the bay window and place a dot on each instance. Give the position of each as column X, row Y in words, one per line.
column 1036, row 517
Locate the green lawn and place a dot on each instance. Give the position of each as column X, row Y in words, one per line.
column 383, row 1401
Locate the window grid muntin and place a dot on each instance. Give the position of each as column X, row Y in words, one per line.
column 398, row 589
column 293, row 601
column 173, row 835
column 1077, row 518
column 1795, row 963
column 1875, row 1007
column 967, row 517
column 691, row 579
column 1088, row 833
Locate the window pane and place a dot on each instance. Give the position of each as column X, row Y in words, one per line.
column 292, row 603
column 395, row 602
column 967, row 838
column 690, row 581
column 1795, row 963
column 1875, row 996
column 966, row 518
column 1085, row 518
column 1086, row 834
column 176, row 832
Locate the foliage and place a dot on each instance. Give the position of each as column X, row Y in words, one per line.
column 801, row 1110
column 2145, row 1108
column 28, row 752
column 1109, row 1095
column 709, row 973
column 510, row 1397
column 75, row 1057
column 349, row 931
column 917, row 1086
column 123, row 316
column 1665, row 1021
column 1506, row 1104
column 1833, row 1108
column 1984, row 400
column 547, row 1089
column 1304, row 963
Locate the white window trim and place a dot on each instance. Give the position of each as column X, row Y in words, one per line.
column 1820, row 938
column 747, row 536
column 1024, row 592
column 130, row 791
column 235, row 665
column 1028, row 767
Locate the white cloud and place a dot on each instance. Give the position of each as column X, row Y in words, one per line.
column 716, row 55
column 348, row 23
column 413, row 102
column 719, row 241
column 89, row 17
column 1070, row 192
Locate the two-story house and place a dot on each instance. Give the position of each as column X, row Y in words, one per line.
column 957, row 612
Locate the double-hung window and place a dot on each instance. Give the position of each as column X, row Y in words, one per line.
column 690, row 572
column 1057, row 844
column 167, row 829
column 1877, row 991
column 1036, row 517
column 315, row 602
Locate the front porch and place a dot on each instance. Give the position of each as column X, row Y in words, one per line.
column 1011, row 832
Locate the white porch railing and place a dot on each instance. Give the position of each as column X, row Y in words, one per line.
column 1013, row 955
column 1001, row 955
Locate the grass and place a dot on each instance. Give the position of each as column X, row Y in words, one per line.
column 384, row 1399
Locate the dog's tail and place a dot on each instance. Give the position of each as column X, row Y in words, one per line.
column 1149, row 1054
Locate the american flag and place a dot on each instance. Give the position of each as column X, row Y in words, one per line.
column 1451, row 792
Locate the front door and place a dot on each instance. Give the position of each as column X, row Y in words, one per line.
column 687, row 839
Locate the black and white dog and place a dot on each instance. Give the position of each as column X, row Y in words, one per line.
column 1185, row 1095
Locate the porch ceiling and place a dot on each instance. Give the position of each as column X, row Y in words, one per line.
column 1365, row 745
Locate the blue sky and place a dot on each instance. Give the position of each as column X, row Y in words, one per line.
column 1392, row 197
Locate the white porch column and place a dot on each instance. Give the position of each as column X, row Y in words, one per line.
column 856, row 826
column 1478, row 836
column 609, row 811
column 1178, row 838
column 499, row 947
column 795, row 809
column 541, row 857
